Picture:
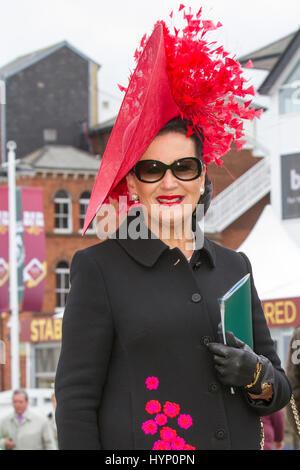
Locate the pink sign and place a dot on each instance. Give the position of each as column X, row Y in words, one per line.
column 35, row 266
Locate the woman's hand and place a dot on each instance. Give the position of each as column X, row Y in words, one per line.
column 235, row 362
column 9, row 444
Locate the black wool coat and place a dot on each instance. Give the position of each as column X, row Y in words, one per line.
column 138, row 309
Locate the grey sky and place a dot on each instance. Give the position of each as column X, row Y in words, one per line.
column 109, row 31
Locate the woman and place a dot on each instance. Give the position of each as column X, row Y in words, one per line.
column 141, row 365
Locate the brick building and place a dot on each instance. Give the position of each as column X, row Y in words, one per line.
column 48, row 98
column 67, row 176
column 241, row 191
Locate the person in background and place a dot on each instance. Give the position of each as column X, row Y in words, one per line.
column 293, row 373
column 274, row 427
column 51, row 417
column 24, row 429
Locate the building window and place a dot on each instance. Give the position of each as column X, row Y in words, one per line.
column 45, row 362
column 50, row 135
column 289, row 94
column 83, row 204
column 62, row 284
column 282, row 337
column 62, row 212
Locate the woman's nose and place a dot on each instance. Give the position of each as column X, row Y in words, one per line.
column 169, row 180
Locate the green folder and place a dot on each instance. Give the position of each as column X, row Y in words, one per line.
column 236, row 312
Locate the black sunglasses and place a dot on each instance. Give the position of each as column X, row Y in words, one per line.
column 185, row 169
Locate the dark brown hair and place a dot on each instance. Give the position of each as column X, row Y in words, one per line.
column 181, row 125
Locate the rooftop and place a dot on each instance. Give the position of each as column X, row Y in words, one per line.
column 27, row 60
column 61, row 157
column 266, row 57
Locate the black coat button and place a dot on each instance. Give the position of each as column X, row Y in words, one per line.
column 220, row 434
column 197, row 265
column 213, row 387
column 196, row 297
column 206, row 340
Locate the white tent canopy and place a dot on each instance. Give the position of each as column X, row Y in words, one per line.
column 275, row 258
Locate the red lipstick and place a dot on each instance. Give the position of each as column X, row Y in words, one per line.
column 170, row 200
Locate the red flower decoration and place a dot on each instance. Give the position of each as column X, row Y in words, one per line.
column 188, row 447
column 168, row 434
column 149, row 427
column 153, row 406
column 171, row 409
column 161, row 419
column 152, row 383
column 185, row 421
column 178, row 443
column 161, row 445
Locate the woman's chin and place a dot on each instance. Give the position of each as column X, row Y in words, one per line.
column 172, row 217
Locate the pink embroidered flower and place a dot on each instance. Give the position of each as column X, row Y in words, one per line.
column 161, row 445
column 185, row 421
column 161, row 419
column 168, row 434
column 149, row 427
column 153, row 406
column 152, row 383
column 171, row 409
column 188, row 447
column 177, row 443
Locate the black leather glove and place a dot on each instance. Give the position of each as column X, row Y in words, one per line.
column 236, row 364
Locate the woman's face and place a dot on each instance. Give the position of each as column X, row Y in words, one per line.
column 167, row 148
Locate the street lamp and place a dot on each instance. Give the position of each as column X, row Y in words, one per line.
column 13, row 273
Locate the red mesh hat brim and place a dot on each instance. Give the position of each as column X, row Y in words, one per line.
column 180, row 74
column 147, row 106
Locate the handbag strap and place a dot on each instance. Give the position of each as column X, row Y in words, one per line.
column 295, row 413
column 262, row 436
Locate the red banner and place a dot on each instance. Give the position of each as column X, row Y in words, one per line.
column 35, row 266
column 4, row 268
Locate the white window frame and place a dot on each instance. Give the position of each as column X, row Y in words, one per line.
column 61, row 290
column 278, row 334
column 50, row 135
column 63, row 200
column 34, row 375
column 91, row 229
column 294, row 63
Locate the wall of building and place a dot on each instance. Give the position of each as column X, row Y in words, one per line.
column 59, row 247
column 51, row 94
column 280, row 133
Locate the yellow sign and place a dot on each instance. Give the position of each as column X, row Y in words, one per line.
column 281, row 312
column 45, row 329
column 41, row 329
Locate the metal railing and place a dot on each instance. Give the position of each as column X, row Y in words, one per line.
column 238, row 197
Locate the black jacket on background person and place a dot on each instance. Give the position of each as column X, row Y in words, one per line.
column 138, row 309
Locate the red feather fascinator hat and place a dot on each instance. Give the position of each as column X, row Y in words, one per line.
column 179, row 74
